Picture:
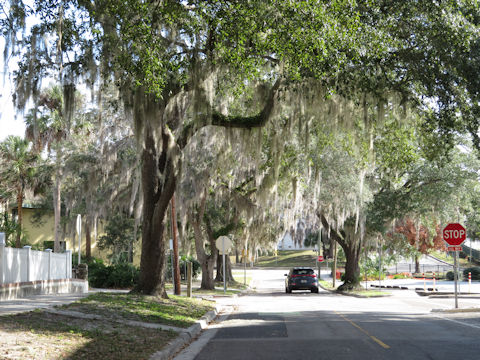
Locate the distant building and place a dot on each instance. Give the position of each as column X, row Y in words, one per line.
column 295, row 238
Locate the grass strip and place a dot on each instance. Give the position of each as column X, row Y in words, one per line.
column 288, row 258
column 42, row 335
column 176, row 310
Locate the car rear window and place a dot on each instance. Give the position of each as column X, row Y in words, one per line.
column 302, row 271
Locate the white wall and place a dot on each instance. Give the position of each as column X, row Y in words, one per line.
column 22, row 265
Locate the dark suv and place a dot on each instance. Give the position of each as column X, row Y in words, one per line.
column 301, row 278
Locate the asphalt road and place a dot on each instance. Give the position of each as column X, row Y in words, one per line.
column 275, row 325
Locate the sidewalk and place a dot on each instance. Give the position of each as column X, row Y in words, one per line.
column 440, row 285
column 31, row 303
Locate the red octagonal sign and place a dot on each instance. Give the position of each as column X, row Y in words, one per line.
column 454, row 234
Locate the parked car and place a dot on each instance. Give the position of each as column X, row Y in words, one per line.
column 301, row 278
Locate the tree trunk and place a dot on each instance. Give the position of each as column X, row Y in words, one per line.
column 351, row 244
column 18, row 239
column 160, row 170
column 417, row 264
column 158, row 184
column 352, row 269
column 228, row 269
column 207, row 262
column 208, row 282
column 57, row 211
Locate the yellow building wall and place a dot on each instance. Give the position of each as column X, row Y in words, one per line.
column 39, row 231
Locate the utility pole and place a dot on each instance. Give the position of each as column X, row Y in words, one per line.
column 334, row 262
column 319, row 246
column 175, row 265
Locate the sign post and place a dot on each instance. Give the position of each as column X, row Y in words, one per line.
column 454, row 235
column 319, row 263
column 171, row 261
column 79, row 233
column 223, row 244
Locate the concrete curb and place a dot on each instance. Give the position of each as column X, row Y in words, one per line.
column 353, row 295
column 17, row 290
column 467, row 310
column 186, row 336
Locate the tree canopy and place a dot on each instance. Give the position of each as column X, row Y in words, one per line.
column 322, row 67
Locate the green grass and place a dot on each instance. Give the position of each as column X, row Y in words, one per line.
column 364, row 293
column 217, row 291
column 289, row 258
column 326, row 284
column 367, row 293
column 239, row 279
column 52, row 336
column 176, row 310
column 449, row 259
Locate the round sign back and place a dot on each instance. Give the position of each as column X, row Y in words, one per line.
column 223, row 241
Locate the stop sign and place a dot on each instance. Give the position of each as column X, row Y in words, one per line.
column 454, row 234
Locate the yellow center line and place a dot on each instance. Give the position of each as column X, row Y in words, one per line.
column 378, row 341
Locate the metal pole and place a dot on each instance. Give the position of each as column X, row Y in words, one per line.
column 79, row 231
column 245, row 255
column 470, row 258
column 189, row 279
column 223, row 255
column 380, row 265
column 319, row 242
column 175, row 264
column 366, row 256
column 171, row 260
column 334, row 262
column 455, row 276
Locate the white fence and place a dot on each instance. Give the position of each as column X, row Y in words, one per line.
column 21, row 265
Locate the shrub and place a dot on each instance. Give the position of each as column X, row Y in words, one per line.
column 450, row 275
column 475, row 273
column 404, row 275
column 183, row 266
column 121, row 275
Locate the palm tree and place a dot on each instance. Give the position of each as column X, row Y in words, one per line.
column 17, row 170
column 47, row 127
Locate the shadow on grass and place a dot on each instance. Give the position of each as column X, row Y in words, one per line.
column 41, row 335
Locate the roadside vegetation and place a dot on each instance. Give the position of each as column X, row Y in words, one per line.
column 45, row 335
column 362, row 131
column 41, row 335
column 288, row 258
column 175, row 311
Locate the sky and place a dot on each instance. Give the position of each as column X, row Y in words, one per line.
column 8, row 124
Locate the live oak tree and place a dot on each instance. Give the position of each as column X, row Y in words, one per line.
column 171, row 60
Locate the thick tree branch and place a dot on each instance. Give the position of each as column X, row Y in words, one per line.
column 333, row 233
column 241, row 122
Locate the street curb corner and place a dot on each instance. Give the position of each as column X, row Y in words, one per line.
column 185, row 337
